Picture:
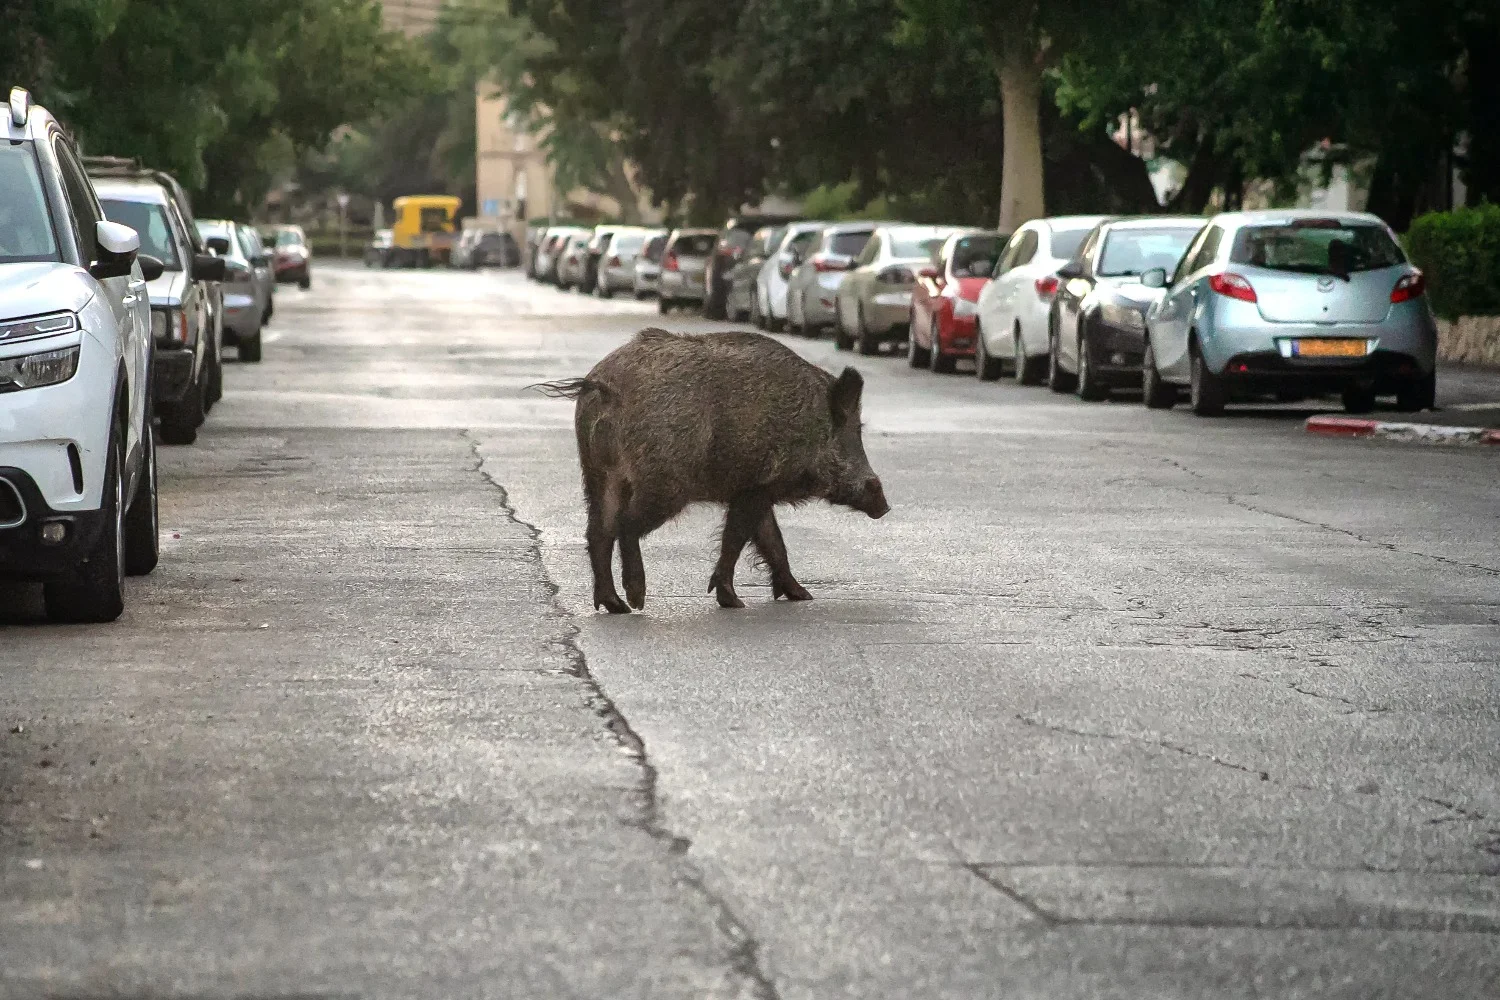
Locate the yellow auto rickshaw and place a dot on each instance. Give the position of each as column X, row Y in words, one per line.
column 422, row 234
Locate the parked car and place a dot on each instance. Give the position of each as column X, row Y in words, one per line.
column 813, row 285
column 944, row 300
column 593, row 254
column 476, row 248
column 744, row 276
column 534, row 237
column 1015, row 308
column 291, row 258
column 550, row 252
column 1098, row 326
column 873, row 302
column 184, row 327
column 648, row 265
column 572, row 259
column 78, row 510
column 378, row 250
column 617, row 262
column 683, row 265
column 733, row 239
column 1300, row 302
column 768, row 308
column 248, row 284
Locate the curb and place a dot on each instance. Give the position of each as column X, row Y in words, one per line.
column 1392, row 431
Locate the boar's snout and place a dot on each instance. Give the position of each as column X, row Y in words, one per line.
column 873, row 501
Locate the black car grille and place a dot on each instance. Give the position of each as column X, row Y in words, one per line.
column 12, row 511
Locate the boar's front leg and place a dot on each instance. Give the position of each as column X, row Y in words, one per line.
column 772, row 551
column 744, row 515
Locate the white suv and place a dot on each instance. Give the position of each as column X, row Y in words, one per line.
column 77, row 451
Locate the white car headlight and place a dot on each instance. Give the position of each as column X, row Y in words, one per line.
column 35, row 370
column 38, row 326
column 169, row 325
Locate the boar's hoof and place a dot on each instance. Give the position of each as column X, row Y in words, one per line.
column 725, row 593
column 610, row 603
column 635, row 593
column 791, row 590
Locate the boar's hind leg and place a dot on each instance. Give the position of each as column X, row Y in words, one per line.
column 772, row 552
column 643, row 514
column 604, row 515
column 744, row 515
column 633, row 570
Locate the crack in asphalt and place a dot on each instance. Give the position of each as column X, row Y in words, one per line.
column 1354, row 707
column 1177, row 748
column 744, row 949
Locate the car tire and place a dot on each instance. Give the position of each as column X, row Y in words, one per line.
column 942, row 364
column 180, row 421
column 715, row 306
column 916, row 355
column 1207, row 393
column 1089, row 387
column 604, row 290
column 1156, row 393
column 986, row 368
column 142, row 524
column 663, row 306
column 1058, row 380
column 270, row 311
column 305, row 283
column 757, row 318
column 1358, row 399
column 95, row 590
column 1027, row 370
column 215, row 383
column 250, row 349
column 863, row 339
column 1417, row 394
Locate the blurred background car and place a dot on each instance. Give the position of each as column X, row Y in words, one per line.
column 732, row 241
column 1015, row 309
column 589, row 280
column 378, row 250
column 768, row 307
column 291, row 257
column 813, row 284
column 873, row 302
column 1099, row 312
column 572, row 259
column 744, row 276
column 478, row 248
column 248, row 285
column 943, row 301
column 1291, row 302
column 684, row 262
column 617, row 262
column 648, row 265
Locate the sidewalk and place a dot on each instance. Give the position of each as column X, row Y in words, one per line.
column 1468, row 412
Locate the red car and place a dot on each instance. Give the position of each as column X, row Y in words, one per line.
column 944, row 315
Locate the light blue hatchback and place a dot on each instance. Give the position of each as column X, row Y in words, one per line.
column 1291, row 304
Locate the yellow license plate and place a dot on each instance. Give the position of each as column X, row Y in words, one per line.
column 1329, row 348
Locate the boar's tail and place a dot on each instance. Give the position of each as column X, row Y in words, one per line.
column 571, row 388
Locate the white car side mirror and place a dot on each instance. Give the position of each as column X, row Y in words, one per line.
column 117, row 239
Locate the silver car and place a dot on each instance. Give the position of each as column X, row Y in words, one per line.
column 573, row 258
column 683, row 264
column 617, row 261
column 249, row 285
column 549, row 254
column 768, row 310
column 814, row 282
column 873, row 304
column 648, row 265
column 1291, row 303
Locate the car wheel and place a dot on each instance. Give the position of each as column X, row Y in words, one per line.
column 663, row 306
column 250, row 348
column 757, row 317
column 1057, row 379
column 142, row 535
column 1418, row 394
column 868, row 345
column 305, row 283
column 1207, row 393
column 1090, row 388
column 1026, row 370
column 215, row 383
column 714, row 305
column 916, row 355
column 180, row 421
column 1156, row 393
column 604, row 290
column 1359, row 399
column 270, row 311
column 95, row 590
column 988, row 369
column 942, row 363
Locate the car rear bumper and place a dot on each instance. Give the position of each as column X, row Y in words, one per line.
column 1410, row 333
column 1267, row 371
column 958, row 336
column 887, row 315
column 23, row 554
column 294, row 271
column 679, row 287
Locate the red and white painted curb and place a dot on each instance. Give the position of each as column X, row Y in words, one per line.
column 1397, row 431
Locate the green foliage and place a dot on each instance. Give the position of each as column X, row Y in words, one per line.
column 1459, row 252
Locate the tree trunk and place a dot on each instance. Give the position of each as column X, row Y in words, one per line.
column 1022, row 197
column 1198, row 186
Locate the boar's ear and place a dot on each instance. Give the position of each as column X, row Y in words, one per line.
column 844, row 396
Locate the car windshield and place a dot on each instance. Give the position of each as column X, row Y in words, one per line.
column 976, row 255
column 913, row 245
column 1133, row 252
column 150, row 222
column 1317, row 246
column 1065, row 242
column 627, row 244
column 700, row 245
column 848, row 244
column 654, row 248
column 25, row 226
column 288, row 238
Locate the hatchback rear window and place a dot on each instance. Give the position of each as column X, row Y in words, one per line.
column 1317, row 247
column 695, row 246
column 1065, row 243
column 849, row 244
column 916, row 246
column 976, row 255
column 654, row 247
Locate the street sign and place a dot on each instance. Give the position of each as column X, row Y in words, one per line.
column 491, row 208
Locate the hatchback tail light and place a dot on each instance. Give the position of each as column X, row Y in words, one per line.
column 1046, row 286
column 1233, row 286
column 823, row 264
column 669, row 262
column 614, row 262
column 1410, row 286
column 786, row 269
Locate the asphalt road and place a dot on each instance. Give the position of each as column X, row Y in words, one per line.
column 1114, row 703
